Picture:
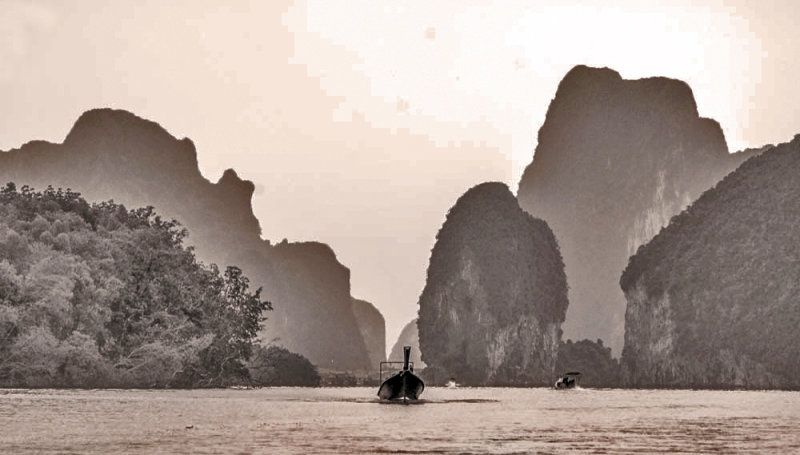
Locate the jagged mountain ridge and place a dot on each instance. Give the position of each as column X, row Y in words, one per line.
column 615, row 160
column 713, row 298
column 113, row 154
column 495, row 295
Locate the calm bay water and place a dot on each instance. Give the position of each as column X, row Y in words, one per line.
column 351, row 420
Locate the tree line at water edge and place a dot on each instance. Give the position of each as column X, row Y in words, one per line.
column 97, row 295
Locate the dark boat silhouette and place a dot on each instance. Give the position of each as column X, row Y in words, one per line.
column 404, row 385
column 568, row 380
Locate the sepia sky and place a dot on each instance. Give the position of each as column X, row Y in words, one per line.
column 361, row 122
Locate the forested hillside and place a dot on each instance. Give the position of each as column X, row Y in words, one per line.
column 96, row 295
column 592, row 359
column 113, row 154
column 495, row 296
column 714, row 298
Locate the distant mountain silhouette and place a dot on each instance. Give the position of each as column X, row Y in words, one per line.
column 373, row 329
column 495, row 295
column 113, row 154
column 615, row 160
column 713, row 298
column 409, row 336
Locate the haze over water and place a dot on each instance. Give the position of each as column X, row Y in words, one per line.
column 351, row 420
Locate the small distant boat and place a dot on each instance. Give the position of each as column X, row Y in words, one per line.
column 568, row 380
column 451, row 384
column 404, row 385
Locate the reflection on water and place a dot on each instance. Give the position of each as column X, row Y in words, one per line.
column 352, row 420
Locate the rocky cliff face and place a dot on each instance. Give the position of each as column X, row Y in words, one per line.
column 712, row 300
column 409, row 336
column 308, row 275
column 373, row 328
column 111, row 154
column 496, row 293
column 615, row 160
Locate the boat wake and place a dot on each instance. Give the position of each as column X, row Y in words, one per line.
column 464, row 400
column 370, row 400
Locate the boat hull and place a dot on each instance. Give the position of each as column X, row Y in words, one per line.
column 565, row 383
column 403, row 385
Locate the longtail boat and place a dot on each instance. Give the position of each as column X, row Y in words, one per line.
column 404, row 385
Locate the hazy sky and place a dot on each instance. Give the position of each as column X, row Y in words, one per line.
column 361, row 122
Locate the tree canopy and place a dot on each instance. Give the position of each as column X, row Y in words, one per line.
column 720, row 283
column 96, row 295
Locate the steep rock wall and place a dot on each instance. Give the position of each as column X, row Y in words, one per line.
column 495, row 297
column 615, row 160
column 712, row 300
column 373, row 329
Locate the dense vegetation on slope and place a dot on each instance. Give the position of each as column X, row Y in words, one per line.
column 276, row 366
column 713, row 298
column 101, row 296
column 496, row 293
column 113, row 154
column 593, row 360
column 615, row 160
